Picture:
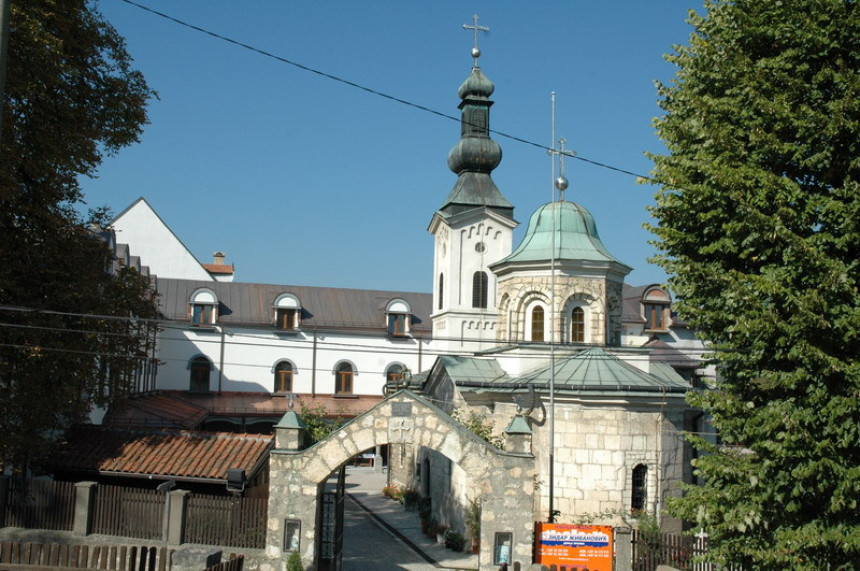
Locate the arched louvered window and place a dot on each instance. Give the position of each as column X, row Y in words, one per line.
column 479, row 289
column 577, row 325
column 537, row 323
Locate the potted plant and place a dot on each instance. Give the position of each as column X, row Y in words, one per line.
column 472, row 519
column 441, row 530
column 454, row 540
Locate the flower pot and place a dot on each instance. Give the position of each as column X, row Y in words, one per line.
column 476, row 546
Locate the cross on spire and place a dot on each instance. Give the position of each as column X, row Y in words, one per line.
column 560, row 183
column 476, row 52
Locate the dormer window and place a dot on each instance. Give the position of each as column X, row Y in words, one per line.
column 398, row 318
column 203, row 307
column 656, row 307
column 288, row 313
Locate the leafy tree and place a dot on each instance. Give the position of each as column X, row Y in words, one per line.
column 318, row 422
column 758, row 226
column 70, row 98
column 483, row 427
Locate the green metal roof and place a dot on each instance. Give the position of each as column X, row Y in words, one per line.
column 595, row 369
column 576, row 236
column 473, row 370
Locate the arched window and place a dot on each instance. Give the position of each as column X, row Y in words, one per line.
column 537, row 323
column 398, row 316
column 441, row 289
column 288, row 312
column 479, row 289
column 284, row 377
column 394, row 374
column 577, row 325
column 203, row 307
column 200, row 369
column 343, row 379
column 640, row 493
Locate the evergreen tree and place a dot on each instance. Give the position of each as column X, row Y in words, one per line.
column 758, row 216
column 70, row 98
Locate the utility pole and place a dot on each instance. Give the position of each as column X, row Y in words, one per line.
column 4, row 45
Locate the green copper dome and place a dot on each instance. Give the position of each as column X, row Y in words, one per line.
column 576, row 236
column 476, row 85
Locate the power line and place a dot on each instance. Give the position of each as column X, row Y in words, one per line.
column 373, row 91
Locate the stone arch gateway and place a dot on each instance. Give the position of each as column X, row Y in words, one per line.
column 503, row 479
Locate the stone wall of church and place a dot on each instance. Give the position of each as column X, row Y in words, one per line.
column 596, row 449
column 599, row 297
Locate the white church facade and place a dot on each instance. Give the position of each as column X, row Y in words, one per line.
column 547, row 333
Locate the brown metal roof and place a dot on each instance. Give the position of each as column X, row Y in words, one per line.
column 174, row 454
column 252, row 304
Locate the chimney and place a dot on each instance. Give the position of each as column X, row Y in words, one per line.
column 219, row 258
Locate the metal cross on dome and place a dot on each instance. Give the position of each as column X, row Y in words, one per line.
column 476, row 52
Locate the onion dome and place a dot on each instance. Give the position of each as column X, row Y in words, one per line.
column 476, row 85
column 475, row 155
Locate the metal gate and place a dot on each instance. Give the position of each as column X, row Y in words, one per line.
column 331, row 526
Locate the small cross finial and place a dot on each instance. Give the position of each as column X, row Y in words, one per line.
column 476, row 52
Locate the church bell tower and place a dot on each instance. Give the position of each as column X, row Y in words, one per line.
column 474, row 226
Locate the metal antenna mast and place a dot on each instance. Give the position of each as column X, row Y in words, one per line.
column 561, row 185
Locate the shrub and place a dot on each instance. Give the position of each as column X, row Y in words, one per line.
column 454, row 540
column 294, row 563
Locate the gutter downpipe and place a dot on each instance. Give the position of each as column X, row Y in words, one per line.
column 314, row 366
column 221, row 364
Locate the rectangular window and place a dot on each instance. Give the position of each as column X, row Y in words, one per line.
column 344, row 383
column 396, row 324
column 655, row 316
column 283, row 381
column 202, row 314
column 286, row 319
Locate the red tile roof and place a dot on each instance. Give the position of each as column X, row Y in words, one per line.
column 176, row 454
column 219, row 268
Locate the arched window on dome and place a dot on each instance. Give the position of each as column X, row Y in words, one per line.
column 577, row 325
column 480, row 281
column 537, row 324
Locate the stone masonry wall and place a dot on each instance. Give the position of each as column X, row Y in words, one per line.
column 503, row 480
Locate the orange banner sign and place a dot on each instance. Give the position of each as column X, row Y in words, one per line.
column 575, row 546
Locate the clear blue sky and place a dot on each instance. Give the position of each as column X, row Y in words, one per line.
column 303, row 180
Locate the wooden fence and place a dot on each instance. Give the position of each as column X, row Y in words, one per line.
column 137, row 513
column 39, row 504
column 37, row 556
column 238, row 522
column 678, row 551
column 128, row 512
